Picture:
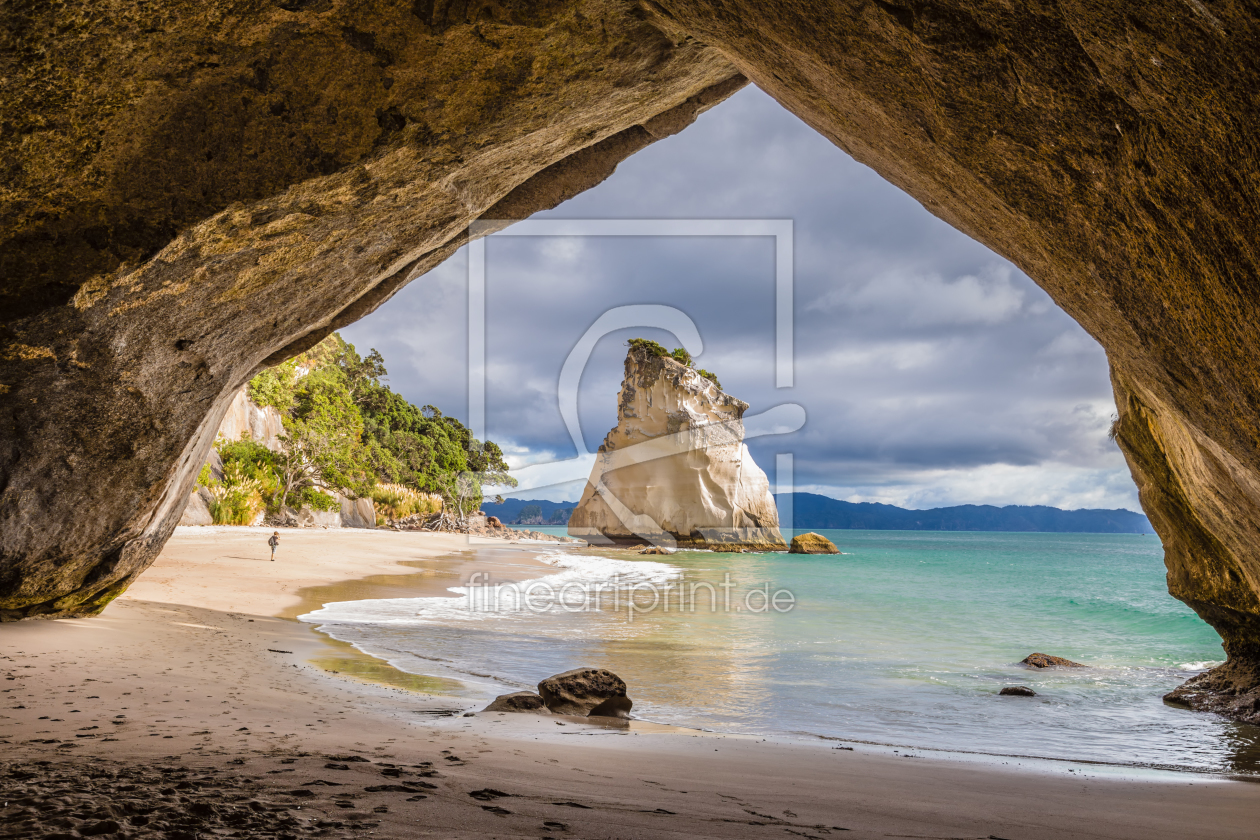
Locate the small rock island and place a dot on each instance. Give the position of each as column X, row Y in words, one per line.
column 811, row 543
column 675, row 467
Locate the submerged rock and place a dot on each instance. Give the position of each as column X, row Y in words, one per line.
column 1044, row 660
column 675, row 468
column 518, row 701
column 594, row 692
column 1017, row 691
column 812, row 543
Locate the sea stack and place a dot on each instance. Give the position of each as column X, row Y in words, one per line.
column 675, row 470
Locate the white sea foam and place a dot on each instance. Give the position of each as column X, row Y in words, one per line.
column 1198, row 666
column 582, row 582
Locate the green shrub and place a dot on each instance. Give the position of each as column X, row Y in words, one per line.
column 345, row 429
column 397, row 501
column 248, row 459
column 678, row 354
column 649, row 345
column 205, row 478
column 709, row 377
column 275, row 386
column 236, row 504
column 318, row 500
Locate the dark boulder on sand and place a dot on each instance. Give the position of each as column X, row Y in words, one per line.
column 812, row 543
column 1044, row 660
column 593, row 692
column 518, row 701
column 1017, row 691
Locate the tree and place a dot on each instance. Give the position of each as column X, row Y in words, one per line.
column 275, row 386
column 346, row 429
column 323, row 440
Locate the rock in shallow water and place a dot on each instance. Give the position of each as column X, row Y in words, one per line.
column 675, row 470
column 518, row 701
column 812, row 543
column 593, row 692
column 1231, row 689
column 1044, row 660
column 1017, row 691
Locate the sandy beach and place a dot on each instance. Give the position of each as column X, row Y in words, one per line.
column 196, row 706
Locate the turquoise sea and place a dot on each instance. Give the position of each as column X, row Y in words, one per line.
column 904, row 639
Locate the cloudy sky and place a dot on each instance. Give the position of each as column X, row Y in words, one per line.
column 932, row 372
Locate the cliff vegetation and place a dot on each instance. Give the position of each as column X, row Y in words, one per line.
column 678, row 354
column 347, row 432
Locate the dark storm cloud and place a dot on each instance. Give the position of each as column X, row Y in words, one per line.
column 932, row 370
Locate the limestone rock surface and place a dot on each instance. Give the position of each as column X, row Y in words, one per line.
column 1223, row 690
column 357, row 513
column 195, row 189
column 197, row 511
column 1109, row 150
column 675, row 468
column 812, row 543
column 244, row 418
column 586, row 692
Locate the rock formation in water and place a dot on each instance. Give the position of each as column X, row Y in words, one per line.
column 1017, row 691
column 675, row 468
column 192, row 190
column 1045, row 660
column 1223, row 690
column 1112, row 151
column 812, row 543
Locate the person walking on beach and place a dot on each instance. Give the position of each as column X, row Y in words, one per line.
column 273, row 542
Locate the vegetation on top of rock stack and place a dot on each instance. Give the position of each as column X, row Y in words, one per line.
column 345, row 431
column 678, row 354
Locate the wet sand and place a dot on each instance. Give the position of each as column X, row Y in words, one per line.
column 194, row 706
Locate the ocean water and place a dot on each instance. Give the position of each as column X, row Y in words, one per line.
column 904, row 639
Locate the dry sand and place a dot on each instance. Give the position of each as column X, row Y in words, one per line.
column 192, row 708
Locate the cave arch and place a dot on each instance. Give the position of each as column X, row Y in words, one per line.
column 189, row 204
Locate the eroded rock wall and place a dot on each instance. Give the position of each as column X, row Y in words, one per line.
column 1110, row 149
column 193, row 190
column 675, row 468
column 245, row 418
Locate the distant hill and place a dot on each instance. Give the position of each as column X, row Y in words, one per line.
column 510, row 512
column 813, row 511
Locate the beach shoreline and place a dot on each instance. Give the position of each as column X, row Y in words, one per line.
column 201, row 666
